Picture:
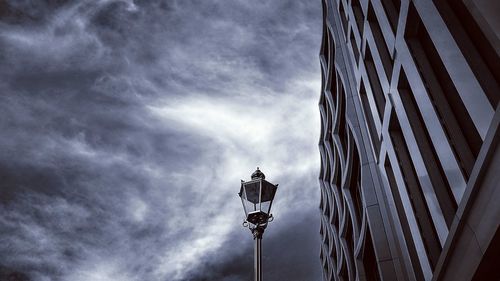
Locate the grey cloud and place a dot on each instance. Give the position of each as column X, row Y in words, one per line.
column 104, row 176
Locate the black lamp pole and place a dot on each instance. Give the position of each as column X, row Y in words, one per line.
column 257, row 196
column 257, row 236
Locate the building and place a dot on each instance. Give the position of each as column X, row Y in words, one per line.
column 410, row 175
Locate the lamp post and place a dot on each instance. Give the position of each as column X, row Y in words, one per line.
column 257, row 197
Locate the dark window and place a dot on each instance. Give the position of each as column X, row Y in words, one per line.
column 333, row 75
column 333, row 253
column 391, row 8
column 424, row 221
column 321, row 201
column 343, row 136
column 380, row 42
column 338, row 174
column 435, row 169
column 325, row 267
column 337, row 215
column 358, row 15
column 403, row 220
column 327, row 163
column 355, row 49
column 325, row 48
column 327, row 205
column 343, row 18
column 343, row 271
column 456, row 121
column 334, row 216
column 378, row 93
column 322, row 84
column 329, row 115
column 341, row 119
column 348, row 228
column 354, row 180
column 330, row 64
column 477, row 49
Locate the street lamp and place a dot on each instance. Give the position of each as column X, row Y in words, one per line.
column 257, row 197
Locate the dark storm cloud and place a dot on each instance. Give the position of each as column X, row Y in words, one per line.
column 126, row 126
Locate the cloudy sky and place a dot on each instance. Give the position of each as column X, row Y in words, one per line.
column 126, row 127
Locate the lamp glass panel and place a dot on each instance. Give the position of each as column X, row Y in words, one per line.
column 265, row 207
column 252, row 191
column 250, row 196
column 245, row 205
column 268, row 191
column 250, row 207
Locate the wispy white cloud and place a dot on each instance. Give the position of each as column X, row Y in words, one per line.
column 272, row 131
column 130, row 124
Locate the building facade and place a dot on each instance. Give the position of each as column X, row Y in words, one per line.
column 410, row 175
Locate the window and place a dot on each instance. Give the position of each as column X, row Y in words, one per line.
column 341, row 119
column 403, row 220
column 355, row 49
column 358, row 15
column 391, row 8
column 380, row 42
column 428, row 151
column 325, row 48
column 370, row 122
column 355, row 176
column 455, row 120
column 424, row 221
column 476, row 48
column 343, row 18
column 348, row 234
column 378, row 93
